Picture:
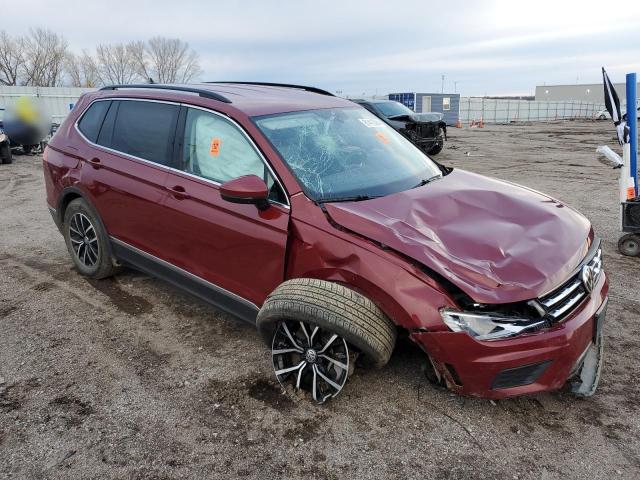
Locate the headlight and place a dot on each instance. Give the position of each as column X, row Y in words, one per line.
column 487, row 326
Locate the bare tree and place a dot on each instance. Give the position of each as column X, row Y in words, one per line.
column 116, row 64
column 11, row 59
column 165, row 60
column 44, row 56
column 82, row 70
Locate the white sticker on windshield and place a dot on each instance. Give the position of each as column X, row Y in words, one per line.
column 371, row 122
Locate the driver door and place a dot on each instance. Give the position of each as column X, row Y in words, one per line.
column 234, row 246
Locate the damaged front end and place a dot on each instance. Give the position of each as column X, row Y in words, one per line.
column 428, row 134
column 539, row 345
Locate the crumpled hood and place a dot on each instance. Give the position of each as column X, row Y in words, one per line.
column 497, row 241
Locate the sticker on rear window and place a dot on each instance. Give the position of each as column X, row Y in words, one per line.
column 371, row 122
column 214, row 151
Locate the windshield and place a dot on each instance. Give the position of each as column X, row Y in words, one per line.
column 392, row 109
column 346, row 152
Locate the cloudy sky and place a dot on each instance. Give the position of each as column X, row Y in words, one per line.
column 488, row 47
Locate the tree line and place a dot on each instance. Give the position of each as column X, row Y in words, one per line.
column 42, row 58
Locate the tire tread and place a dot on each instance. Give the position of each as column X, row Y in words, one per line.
column 335, row 307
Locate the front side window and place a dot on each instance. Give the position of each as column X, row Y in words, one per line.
column 341, row 153
column 145, row 130
column 215, row 149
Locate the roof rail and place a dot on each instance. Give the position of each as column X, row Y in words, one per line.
column 285, row 85
column 177, row 88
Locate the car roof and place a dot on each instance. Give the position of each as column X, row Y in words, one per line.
column 253, row 99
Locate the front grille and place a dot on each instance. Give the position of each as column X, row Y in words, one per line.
column 563, row 300
column 426, row 130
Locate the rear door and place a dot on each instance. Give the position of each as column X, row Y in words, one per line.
column 126, row 169
column 236, row 247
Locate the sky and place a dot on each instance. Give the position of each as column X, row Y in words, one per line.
column 488, row 47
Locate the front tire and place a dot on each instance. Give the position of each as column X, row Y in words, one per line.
column 629, row 245
column 87, row 242
column 436, row 149
column 339, row 316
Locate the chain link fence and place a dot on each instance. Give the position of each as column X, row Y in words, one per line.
column 492, row 110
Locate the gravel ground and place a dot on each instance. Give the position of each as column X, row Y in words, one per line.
column 130, row 378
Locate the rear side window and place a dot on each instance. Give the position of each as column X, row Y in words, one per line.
column 91, row 121
column 145, row 130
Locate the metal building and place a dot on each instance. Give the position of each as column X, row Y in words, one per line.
column 588, row 92
column 446, row 103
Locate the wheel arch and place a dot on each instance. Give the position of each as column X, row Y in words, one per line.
column 379, row 296
column 409, row 302
column 68, row 195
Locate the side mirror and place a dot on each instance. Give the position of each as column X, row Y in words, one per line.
column 247, row 189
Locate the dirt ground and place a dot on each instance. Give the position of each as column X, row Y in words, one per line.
column 130, row 378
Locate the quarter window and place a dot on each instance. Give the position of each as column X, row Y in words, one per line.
column 145, row 130
column 91, row 121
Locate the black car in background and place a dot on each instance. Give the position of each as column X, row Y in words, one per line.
column 426, row 130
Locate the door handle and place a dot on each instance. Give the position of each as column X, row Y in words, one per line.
column 178, row 192
column 95, row 163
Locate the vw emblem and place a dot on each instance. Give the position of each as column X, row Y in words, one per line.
column 588, row 278
column 311, row 356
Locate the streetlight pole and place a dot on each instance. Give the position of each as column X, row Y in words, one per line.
column 442, row 89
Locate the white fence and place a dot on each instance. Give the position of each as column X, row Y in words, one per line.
column 58, row 101
column 504, row 111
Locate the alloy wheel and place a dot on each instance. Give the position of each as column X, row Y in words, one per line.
column 311, row 359
column 84, row 239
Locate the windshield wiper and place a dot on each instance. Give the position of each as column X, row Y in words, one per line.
column 353, row 198
column 424, row 181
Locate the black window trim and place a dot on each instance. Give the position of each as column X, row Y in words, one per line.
column 115, row 104
column 179, row 131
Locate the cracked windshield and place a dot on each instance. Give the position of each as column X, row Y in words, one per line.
column 346, row 154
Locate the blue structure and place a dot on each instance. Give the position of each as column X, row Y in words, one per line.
column 446, row 103
column 632, row 121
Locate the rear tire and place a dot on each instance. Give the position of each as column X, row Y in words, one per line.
column 335, row 308
column 87, row 242
column 5, row 153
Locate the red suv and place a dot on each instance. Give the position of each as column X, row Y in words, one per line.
column 308, row 216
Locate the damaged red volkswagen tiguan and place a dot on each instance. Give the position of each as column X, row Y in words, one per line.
column 309, row 217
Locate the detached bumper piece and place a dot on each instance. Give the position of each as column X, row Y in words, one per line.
column 585, row 381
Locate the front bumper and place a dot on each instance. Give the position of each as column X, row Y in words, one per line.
column 536, row 362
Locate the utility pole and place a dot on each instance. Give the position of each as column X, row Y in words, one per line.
column 455, row 86
column 442, row 89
